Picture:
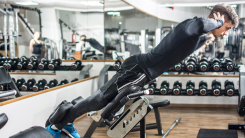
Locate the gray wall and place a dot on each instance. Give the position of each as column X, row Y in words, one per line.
column 33, row 19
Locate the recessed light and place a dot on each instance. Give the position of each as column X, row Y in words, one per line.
column 27, row 3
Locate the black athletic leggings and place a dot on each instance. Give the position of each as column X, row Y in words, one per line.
column 129, row 74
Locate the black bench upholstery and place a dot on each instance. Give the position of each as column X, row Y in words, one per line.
column 33, row 132
column 160, row 103
column 3, row 120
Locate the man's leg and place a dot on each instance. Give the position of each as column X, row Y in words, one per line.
column 129, row 74
column 92, row 103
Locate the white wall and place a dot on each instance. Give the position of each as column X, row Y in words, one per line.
column 177, row 15
column 89, row 24
column 135, row 20
column 35, row 110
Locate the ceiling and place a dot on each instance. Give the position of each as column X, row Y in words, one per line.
column 109, row 5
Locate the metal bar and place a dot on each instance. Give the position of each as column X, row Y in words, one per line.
column 158, row 121
column 175, row 123
column 148, row 127
column 5, row 34
column 61, row 31
column 91, row 129
column 84, row 73
column 40, row 22
column 7, row 93
column 11, row 34
column 142, row 128
column 25, row 23
column 103, row 76
column 14, row 87
column 17, row 28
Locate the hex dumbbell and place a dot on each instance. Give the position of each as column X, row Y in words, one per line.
column 190, row 85
column 164, row 87
column 177, row 87
column 203, row 86
column 216, row 87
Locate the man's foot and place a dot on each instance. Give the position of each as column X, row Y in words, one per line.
column 70, row 130
column 54, row 132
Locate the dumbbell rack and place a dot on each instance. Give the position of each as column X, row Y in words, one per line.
column 196, row 92
column 237, row 92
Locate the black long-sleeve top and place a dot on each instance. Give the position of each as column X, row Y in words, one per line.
column 176, row 46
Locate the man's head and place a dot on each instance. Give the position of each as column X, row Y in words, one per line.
column 231, row 19
column 83, row 37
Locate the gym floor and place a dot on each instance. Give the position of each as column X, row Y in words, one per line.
column 192, row 119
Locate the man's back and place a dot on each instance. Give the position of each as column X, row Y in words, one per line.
column 181, row 41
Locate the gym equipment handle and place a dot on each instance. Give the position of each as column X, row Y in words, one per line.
column 8, row 93
column 140, row 93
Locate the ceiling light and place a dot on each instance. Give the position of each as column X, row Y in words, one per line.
column 27, row 3
column 91, row 3
column 198, row 4
column 114, row 13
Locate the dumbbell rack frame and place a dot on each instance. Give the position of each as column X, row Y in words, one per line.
column 238, row 92
column 196, row 92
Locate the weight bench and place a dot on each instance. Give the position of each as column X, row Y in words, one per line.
column 117, row 129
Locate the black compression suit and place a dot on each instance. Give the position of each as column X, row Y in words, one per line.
column 140, row 69
column 177, row 45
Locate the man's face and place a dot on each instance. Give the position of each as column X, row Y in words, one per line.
column 83, row 38
column 222, row 30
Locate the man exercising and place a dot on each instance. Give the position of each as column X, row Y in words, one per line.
column 140, row 69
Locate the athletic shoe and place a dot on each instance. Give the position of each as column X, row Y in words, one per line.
column 70, row 130
column 54, row 132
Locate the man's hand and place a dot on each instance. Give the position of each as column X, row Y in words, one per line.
column 219, row 17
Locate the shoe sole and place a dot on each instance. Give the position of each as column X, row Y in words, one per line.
column 69, row 134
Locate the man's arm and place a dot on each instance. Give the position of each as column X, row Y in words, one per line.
column 202, row 25
column 95, row 44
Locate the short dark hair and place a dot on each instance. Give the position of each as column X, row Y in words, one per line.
column 82, row 36
column 226, row 10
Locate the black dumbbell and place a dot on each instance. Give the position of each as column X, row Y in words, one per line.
column 3, row 87
column 22, row 65
column 229, row 87
column 55, row 64
column 39, row 85
column 24, row 58
column 43, row 60
column 215, row 64
column 178, row 67
column 3, row 60
column 76, row 65
column 51, row 84
column 152, row 87
column 203, row 64
column 33, row 65
column 228, row 64
column 76, row 79
column 43, row 64
column 20, row 82
column 191, row 63
column 65, row 81
column 117, row 64
column 164, row 87
column 216, row 87
column 12, row 63
column 190, row 86
column 33, row 58
column 203, row 86
column 28, row 85
column 177, row 87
